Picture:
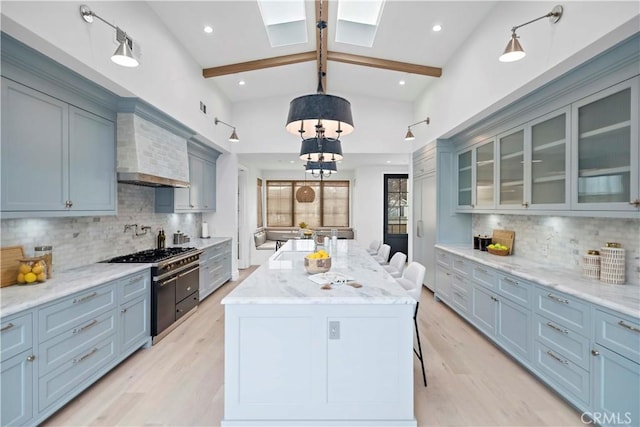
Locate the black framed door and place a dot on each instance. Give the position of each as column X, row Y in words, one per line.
column 396, row 209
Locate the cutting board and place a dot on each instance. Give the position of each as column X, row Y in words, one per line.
column 504, row 237
column 9, row 262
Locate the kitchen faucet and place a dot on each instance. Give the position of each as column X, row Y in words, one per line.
column 144, row 228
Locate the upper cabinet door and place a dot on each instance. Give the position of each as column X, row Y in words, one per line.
column 549, row 164
column 605, row 132
column 485, row 175
column 209, row 186
column 34, row 150
column 465, row 180
column 92, row 162
column 511, row 170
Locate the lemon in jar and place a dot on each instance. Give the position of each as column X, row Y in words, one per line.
column 37, row 269
column 24, row 268
column 30, row 277
column 41, row 277
column 20, row 278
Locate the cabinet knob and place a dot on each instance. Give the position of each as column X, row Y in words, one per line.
column 124, row 310
column 31, row 357
column 635, row 203
column 595, row 352
column 525, row 204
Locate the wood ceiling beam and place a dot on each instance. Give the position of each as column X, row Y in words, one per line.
column 385, row 64
column 259, row 64
column 322, row 14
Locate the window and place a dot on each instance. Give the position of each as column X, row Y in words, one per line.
column 330, row 208
column 260, row 222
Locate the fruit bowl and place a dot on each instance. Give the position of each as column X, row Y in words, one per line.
column 317, row 265
column 501, row 252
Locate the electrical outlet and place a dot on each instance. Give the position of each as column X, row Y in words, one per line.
column 334, row 330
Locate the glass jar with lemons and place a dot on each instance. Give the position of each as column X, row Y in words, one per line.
column 32, row 271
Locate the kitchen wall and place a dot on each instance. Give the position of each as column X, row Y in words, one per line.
column 561, row 241
column 84, row 240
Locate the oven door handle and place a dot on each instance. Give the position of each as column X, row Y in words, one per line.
column 164, row 282
column 175, row 271
column 190, row 271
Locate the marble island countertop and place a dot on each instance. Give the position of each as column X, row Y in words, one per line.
column 283, row 280
column 17, row 298
column 622, row 298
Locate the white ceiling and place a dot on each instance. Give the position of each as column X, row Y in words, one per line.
column 404, row 34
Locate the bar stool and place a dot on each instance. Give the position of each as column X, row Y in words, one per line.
column 396, row 265
column 373, row 247
column 411, row 281
column 383, row 254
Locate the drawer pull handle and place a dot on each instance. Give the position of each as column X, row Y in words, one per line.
column 511, row 282
column 6, row 328
column 448, row 274
column 134, row 280
column 559, row 359
column 31, row 358
column 562, row 300
column 85, row 298
column 91, row 353
column 124, row 310
column 85, row 327
column 494, row 299
column 630, row 327
column 482, row 270
column 595, row 352
column 552, row 326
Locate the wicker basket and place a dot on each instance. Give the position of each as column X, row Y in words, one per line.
column 501, row 252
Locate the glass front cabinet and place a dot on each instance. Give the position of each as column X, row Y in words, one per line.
column 583, row 157
column 606, row 150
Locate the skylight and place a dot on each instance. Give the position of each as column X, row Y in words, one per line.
column 358, row 21
column 285, row 21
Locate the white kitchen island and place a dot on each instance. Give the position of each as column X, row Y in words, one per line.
column 298, row 355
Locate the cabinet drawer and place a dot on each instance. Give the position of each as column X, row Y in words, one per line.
column 134, row 286
column 74, row 310
column 16, row 335
column 566, row 377
column 64, row 347
column 563, row 341
column 484, row 276
column 461, row 266
column 516, row 289
column 460, row 295
column 82, row 366
column 564, row 310
column 618, row 333
column 184, row 306
column 443, row 258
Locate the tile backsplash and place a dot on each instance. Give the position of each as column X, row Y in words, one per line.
column 80, row 241
column 561, row 241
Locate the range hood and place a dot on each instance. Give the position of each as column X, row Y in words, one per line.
column 149, row 154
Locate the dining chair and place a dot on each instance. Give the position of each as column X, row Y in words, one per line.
column 411, row 281
column 373, row 247
column 396, row 264
column 383, row 254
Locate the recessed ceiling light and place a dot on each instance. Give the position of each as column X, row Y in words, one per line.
column 242, row 83
column 292, row 161
column 437, row 27
column 401, row 82
column 388, row 161
column 207, row 29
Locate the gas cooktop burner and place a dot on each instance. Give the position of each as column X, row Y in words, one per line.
column 151, row 255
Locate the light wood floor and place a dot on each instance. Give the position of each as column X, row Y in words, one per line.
column 179, row 381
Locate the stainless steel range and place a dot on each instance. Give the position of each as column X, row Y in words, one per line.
column 174, row 285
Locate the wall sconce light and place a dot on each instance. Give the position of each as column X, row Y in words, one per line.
column 514, row 51
column 124, row 53
column 409, row 136
column 234, row 136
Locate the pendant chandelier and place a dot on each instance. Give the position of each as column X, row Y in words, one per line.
column 305, row 194
column 321, row 169
column 320, row 119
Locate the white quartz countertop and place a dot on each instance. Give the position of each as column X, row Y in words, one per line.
column 16, row 298
column 283, row 279
column 622, row 298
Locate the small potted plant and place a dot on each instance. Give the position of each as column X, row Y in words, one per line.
column 306, row 232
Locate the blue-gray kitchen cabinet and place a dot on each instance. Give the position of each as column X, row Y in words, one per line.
column 215, row 268
column 17, row 360
column 616, row 369
column 57, row 160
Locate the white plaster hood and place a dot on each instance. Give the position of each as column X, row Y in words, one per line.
column 151, row 147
